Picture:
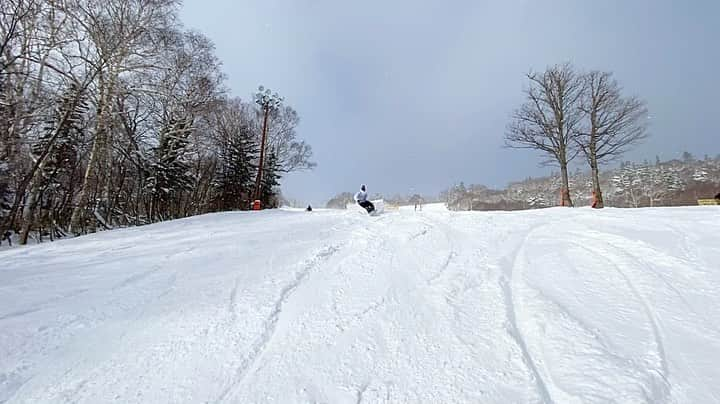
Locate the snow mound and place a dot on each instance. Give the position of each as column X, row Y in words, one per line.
column 378, row 203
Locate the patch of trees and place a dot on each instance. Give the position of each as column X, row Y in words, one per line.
column 567, row 113
column 113, row 114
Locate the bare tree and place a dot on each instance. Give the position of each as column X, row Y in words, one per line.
column 611, row 125
column 549, row 118
column 12, row 15
column 292, row 154
column 126, row 36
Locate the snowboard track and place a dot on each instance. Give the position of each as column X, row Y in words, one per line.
column 506, row 280
column 258, row 347
column 661, row 393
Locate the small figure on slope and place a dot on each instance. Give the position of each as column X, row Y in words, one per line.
column 362, row 199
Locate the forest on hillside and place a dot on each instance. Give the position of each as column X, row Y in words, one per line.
column 677, row 182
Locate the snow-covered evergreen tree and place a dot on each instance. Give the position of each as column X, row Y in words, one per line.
column 700, row 175
column 235, row 179
column 537, row 202
column 626, row 183
column 658, row 182
column 61, row 139
column 170, row 171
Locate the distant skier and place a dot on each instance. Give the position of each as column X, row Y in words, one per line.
column 309, row 208
column 362, row 200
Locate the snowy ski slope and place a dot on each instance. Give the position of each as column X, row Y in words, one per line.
column 553, row 306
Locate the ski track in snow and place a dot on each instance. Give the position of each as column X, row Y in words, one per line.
column 270, row 324
column 651, row 316
column 556, row 305
column 506, row 284
column 42, row 305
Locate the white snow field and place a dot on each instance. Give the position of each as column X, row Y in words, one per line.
column 551, row 306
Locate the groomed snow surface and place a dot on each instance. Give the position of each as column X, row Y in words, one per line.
column 553, row 306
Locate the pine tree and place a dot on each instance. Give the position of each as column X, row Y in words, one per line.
column 170, row 171
column 627, row 183
column 235, row 180
column 700, row 175
column 66, row 144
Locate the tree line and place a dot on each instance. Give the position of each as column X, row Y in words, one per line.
column 112, row 113
column 677, row 182
column 568, row 112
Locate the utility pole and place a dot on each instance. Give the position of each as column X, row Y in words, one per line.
column 268, row 102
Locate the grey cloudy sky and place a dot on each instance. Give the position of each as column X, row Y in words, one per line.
column 415, row 95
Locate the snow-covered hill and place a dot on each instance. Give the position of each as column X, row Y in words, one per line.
column 556, row 305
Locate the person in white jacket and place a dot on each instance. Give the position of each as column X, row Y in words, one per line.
column 362, row 199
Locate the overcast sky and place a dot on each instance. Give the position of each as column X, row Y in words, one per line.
column 415, row 95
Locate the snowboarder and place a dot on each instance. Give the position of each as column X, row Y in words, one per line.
column 309, row 208
column 361, row 199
